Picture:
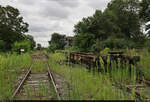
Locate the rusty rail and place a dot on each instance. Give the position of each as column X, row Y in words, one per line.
column 22, row 82
column 53, row 81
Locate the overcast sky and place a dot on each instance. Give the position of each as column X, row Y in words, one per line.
column 47, row 16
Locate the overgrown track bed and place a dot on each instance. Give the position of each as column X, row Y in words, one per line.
column 37, row 86
column 137, row 88
column 140, row 90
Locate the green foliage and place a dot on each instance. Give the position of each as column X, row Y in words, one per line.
column 11, row 66
column 57, row 42
column 145, row 9
column 145, row 14
column 83, row 42
column 96, row 47
column 144, row 64
column 39, row 47
column 114, row 43
column 12, row 26
column 21, row 45
column 119, row 26
column 59, row 51
column 105, row 51
column 147, row 45
column 39, row 66
column 31, row 40
column 52, row 48
column 78, row 77
column 128, row 19
column 2, row 45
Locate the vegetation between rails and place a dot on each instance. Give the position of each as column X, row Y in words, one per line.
column 39, row 66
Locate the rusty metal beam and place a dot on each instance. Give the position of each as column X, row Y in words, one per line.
column 53, row 81
column 22, row 82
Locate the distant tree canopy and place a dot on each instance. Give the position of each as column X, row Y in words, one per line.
column 39, row 47
column 31, row 40
column 120, row 20
column 83, row 41
column 57, row 41
column 12, row 27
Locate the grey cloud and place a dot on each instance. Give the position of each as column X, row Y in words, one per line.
column 68, row 3
column 55, row 11
column 41, row 35
column 42, row 39
column 46, row 25
column 27, row 2
column 38, row 28
column 98, row 4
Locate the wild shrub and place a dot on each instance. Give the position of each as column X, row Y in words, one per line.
column 2, row 44
column 21, row 45
column 115, row 43
column 105, row 51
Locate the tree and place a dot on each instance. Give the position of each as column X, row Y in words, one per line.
column 120, row 20
column 12, row 26
column 100, row 25
column 39, row 47
column 128, row 17
column 57, row 41
column 52, row 48
column 31, row 40
column 145, row 10
column 145, row 14
column 83, row 42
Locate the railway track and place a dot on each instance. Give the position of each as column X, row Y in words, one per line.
column 37, row 86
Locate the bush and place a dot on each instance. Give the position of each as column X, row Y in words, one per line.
column 21, row 45
column 105, row 51
column 59, row 51
column 97, row 46
column 147, row 45
column 83, row 42
column 52, row 48
column 2, row 45
column 115, row 43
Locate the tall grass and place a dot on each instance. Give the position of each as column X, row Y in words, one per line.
column 89, row 86
column 144, row 65
column 11, row 66
column 39, row 66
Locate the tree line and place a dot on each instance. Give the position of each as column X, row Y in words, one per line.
column 121, row 25
column 12, row 31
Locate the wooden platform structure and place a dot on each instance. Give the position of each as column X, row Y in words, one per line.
column 93, row 60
